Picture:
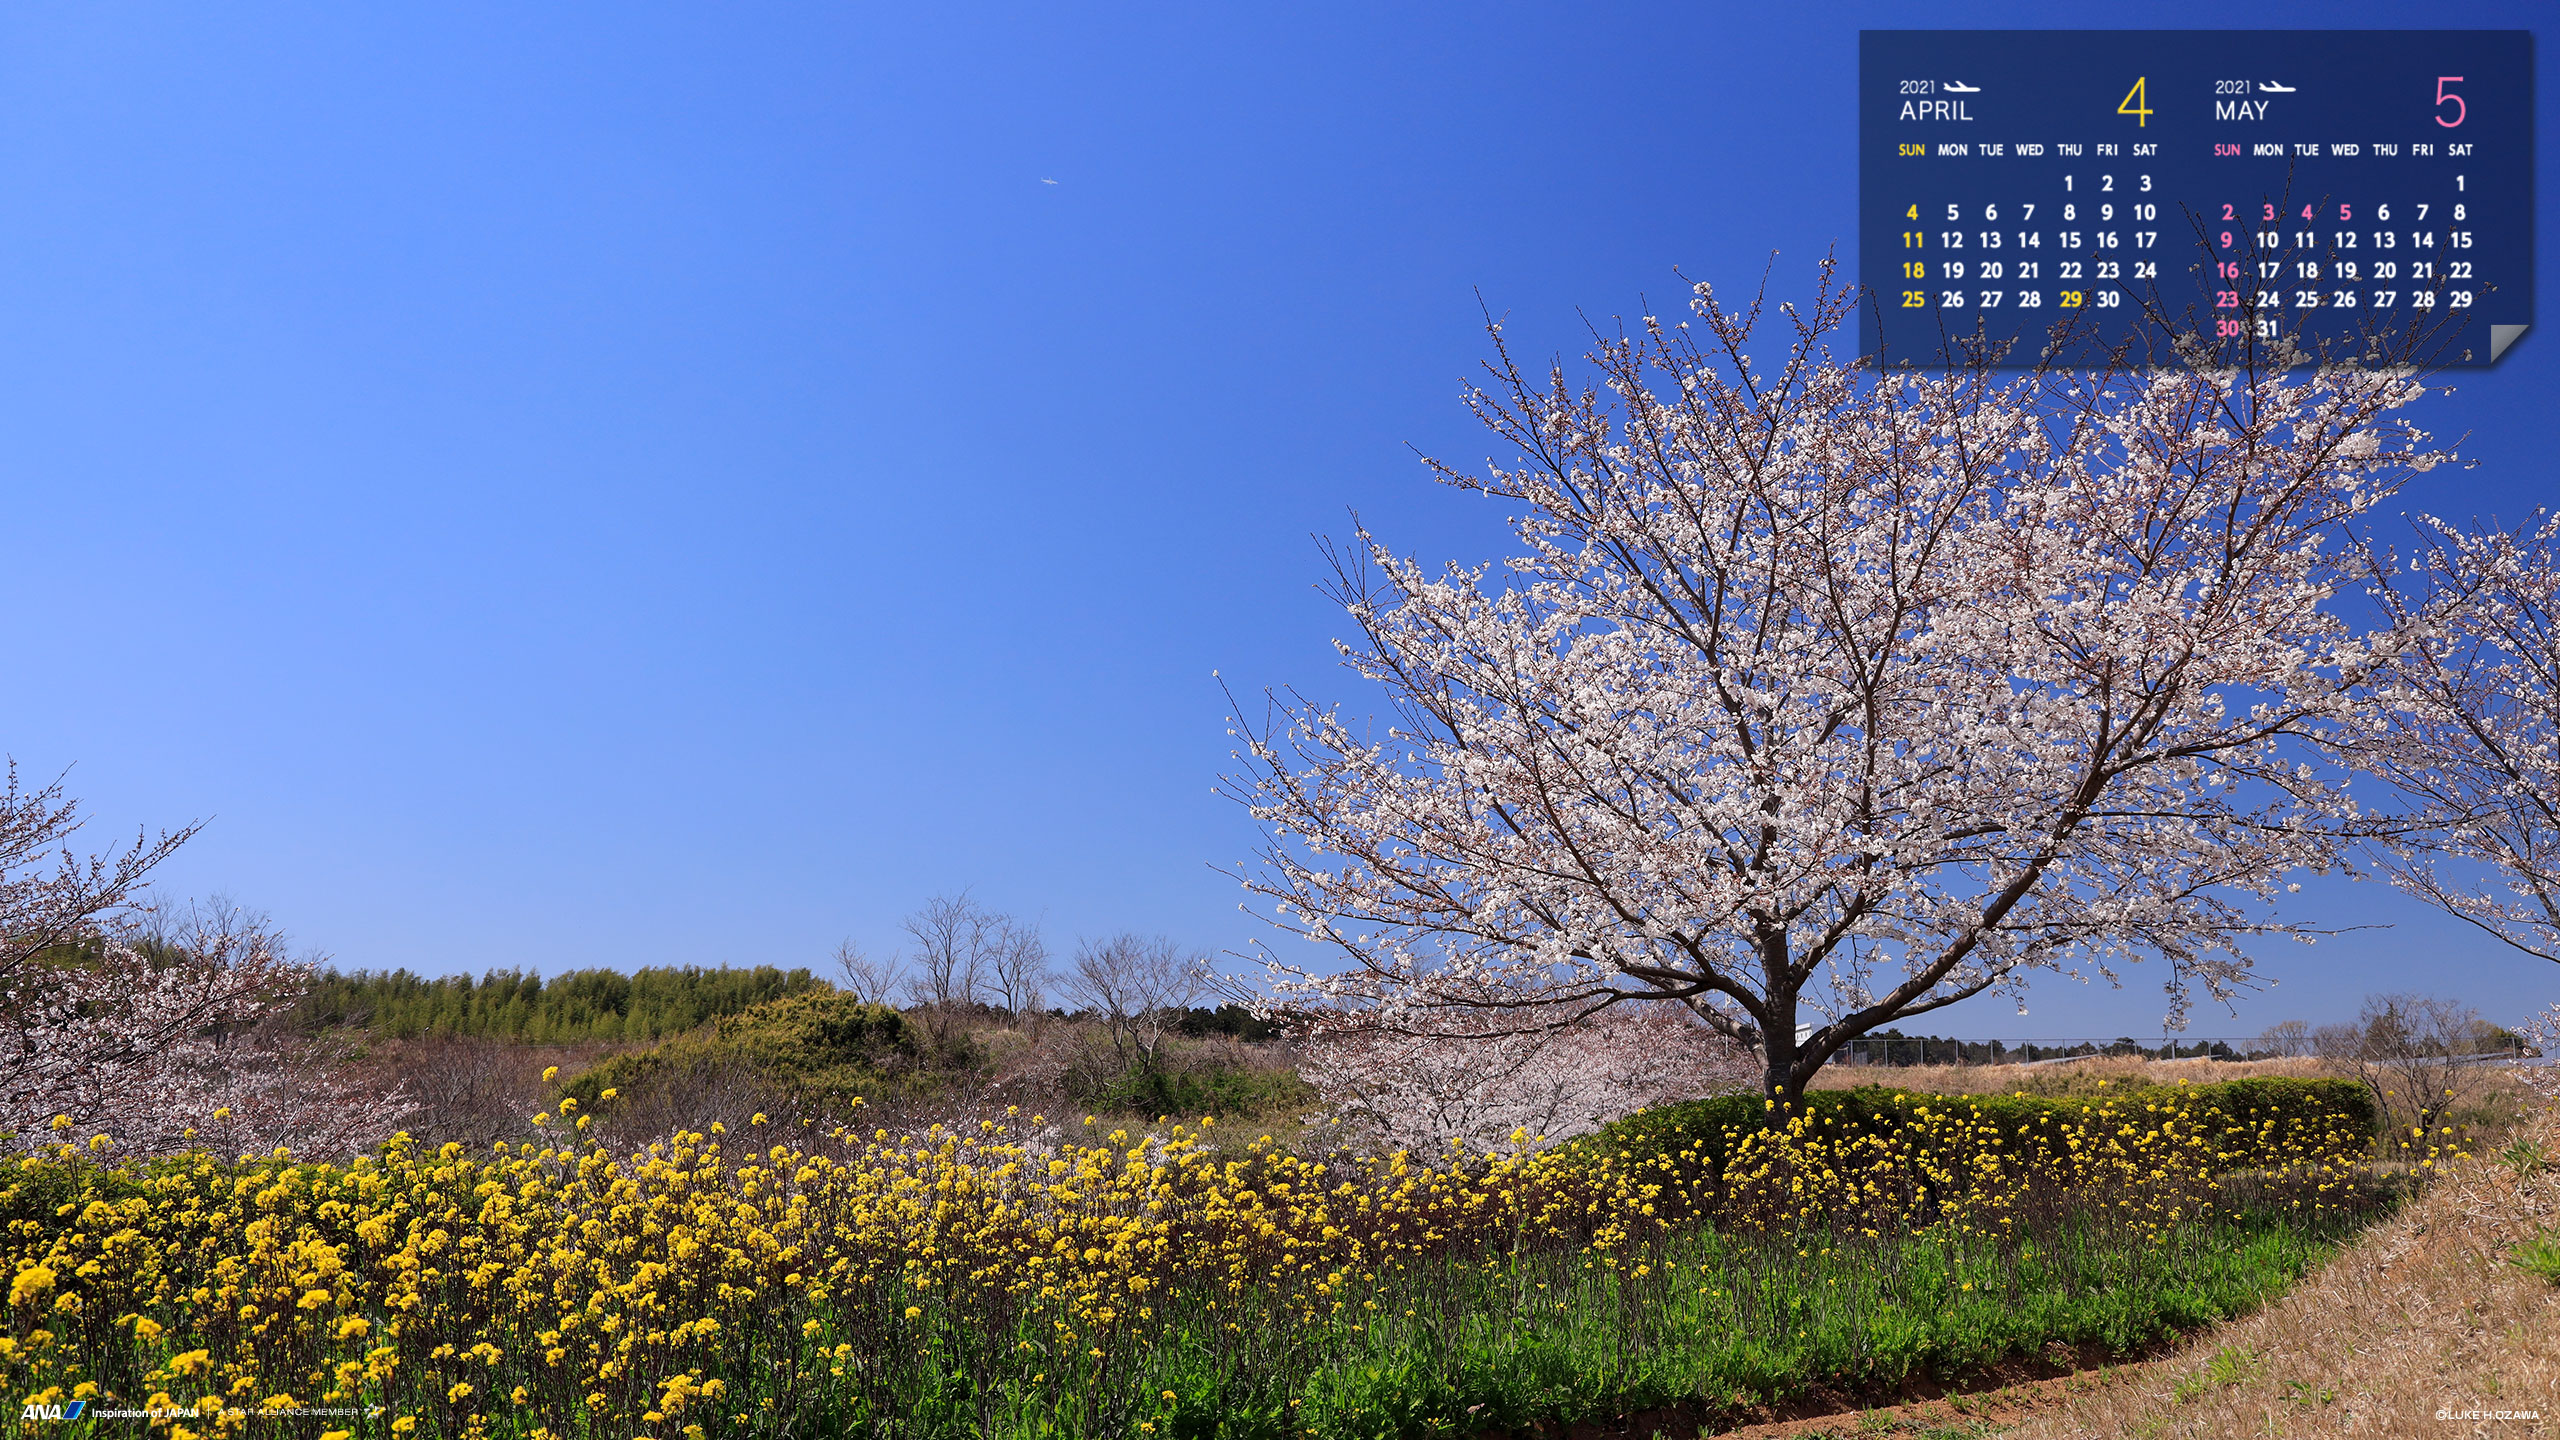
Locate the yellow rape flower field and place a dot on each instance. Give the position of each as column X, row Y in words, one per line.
column 1019, row 1278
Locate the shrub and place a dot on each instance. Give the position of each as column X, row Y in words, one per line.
column 822, row 1049
column 1076, row 1065
column 2246, row 1124
column 1207, row 1089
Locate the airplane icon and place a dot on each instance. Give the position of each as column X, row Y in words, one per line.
column 1958, row 87
column 2272, row 88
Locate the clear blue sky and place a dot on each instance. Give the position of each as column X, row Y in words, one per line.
column 572, row 485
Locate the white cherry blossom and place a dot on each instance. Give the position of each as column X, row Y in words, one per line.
column 1816, row 698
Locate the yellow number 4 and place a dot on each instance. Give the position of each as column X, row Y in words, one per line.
column 2135, row 104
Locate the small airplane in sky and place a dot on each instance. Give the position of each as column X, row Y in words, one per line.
column 1958, row 87
column 2272, row 88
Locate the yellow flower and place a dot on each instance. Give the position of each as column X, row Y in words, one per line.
column 31, row 1282
column 548, row 1075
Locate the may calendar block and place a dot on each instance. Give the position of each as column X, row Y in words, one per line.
column 2218, row 195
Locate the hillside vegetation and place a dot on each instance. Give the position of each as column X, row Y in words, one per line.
column 582, row 1005
column 689, row 1045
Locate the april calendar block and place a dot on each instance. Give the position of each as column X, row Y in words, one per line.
column 2227, row 195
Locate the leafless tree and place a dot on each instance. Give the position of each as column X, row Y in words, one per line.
column 2415, row 1053
column 870, row 977
column 1018, row 966
column 1137, row 986
column 950, row 935
column 2288, row 1038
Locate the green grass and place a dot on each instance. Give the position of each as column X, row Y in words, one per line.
column 2228, row 1366
column 2539, row 1256
column 1712, row 1323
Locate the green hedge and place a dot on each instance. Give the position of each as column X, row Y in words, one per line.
column 2252, row 1122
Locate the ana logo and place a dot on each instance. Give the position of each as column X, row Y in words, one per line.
column 71, row 1411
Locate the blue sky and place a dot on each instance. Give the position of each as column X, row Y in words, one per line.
column 630, row 485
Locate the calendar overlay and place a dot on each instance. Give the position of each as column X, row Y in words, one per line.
column 2345, row 192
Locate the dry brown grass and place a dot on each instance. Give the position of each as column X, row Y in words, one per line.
column 2066, row 1078
column 2423, row 1316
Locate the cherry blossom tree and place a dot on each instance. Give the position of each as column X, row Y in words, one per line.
column 1421, row 1091
column 2541, row 1031
column 1816, row 698
column 168, row 1034
column 50, row 897
column 153, row 1025
column 2469, row 721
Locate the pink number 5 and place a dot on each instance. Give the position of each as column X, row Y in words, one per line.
column 2460, row 110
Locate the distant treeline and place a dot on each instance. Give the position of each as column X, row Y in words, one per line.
column 1892, row 1047
column 648, row 1004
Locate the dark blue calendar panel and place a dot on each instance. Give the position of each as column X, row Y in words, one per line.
column 2218, row 194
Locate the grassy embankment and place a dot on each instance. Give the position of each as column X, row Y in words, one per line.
column 2439, row 1320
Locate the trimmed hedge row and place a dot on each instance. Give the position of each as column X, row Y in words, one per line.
column 2251, row 1124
